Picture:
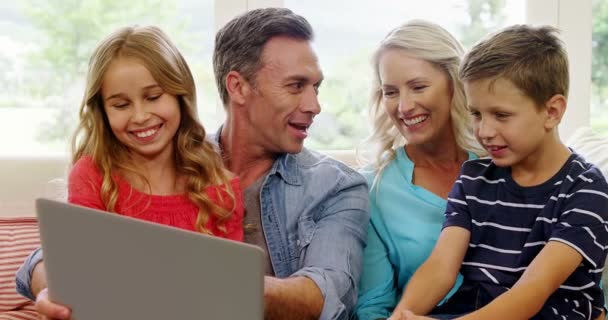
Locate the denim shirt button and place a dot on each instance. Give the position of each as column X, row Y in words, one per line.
column 298, row 242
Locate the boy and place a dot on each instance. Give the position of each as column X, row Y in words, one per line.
column 527, row 226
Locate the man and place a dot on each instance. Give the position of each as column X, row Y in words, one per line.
column 308, row 211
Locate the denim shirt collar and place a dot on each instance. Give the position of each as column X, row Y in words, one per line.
column 285, row 166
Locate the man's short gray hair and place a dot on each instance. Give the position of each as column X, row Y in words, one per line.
column 239, row 44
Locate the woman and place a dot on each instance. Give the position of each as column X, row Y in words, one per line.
column 422, row 137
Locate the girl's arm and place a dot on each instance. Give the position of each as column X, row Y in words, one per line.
column 437, row 275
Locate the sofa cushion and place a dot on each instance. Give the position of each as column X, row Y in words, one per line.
column 592, row 146
column 18, row 238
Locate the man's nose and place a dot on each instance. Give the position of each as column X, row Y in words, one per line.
column 310, row 101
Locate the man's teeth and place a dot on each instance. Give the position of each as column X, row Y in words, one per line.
column 300, row 127
column 413, row 121
column 146, row 133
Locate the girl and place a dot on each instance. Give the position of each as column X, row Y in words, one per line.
column 139, row 149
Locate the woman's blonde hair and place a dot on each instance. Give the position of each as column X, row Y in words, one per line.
column 195, row 158
column 432, row 43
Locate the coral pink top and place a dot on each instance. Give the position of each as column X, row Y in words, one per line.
column 84, row 188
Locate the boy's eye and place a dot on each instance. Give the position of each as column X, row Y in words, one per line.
column 419, row 87
column 501, row 115
column 475, row 114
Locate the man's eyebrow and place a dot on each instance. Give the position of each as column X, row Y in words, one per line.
column 302, row 78
column 297, row 78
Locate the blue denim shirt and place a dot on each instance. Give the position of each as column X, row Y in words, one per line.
column 315, row 211
column 315, row 214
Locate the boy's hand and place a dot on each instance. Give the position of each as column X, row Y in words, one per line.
column 407, row 315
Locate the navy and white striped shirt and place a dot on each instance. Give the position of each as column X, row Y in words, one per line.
column 510, row 224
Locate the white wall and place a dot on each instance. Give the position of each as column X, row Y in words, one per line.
column 573, row 18
column 25, row 179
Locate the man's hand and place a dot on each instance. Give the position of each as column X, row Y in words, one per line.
column 407, row 315
column 292, row 298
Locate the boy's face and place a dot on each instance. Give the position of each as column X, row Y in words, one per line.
column 507, row 123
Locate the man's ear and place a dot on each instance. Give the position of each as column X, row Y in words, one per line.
column 555, row 108
column 238, row 88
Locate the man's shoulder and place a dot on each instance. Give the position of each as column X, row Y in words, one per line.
column 315, row 164
column 310, row 158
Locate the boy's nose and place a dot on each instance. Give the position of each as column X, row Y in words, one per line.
column 485, row 130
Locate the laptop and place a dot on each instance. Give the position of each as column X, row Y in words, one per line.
column 107, row 266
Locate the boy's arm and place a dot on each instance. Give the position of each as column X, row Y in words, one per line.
column 553, row 265
column 579, row 238
column 437, row 275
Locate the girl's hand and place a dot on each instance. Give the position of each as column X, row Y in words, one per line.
column 48, row 310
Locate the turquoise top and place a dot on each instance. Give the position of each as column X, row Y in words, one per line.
column 405, row 223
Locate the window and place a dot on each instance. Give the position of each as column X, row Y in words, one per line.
column 45, row 49
column 346, row 37
column 599, row 69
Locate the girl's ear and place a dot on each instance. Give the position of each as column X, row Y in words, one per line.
column 238, row 87
column 555, row 108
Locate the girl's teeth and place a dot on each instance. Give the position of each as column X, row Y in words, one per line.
column 146, row 133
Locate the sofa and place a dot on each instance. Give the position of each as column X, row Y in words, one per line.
column 19, row 234
column 18, row 237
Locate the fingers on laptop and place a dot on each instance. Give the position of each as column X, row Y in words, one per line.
column 49, row 310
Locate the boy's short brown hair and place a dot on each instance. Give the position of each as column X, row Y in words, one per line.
column 532, row 58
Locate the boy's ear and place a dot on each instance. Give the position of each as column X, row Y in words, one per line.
column 238, row 88
column 555, row 108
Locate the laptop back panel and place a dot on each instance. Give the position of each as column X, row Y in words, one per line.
column 106, row 266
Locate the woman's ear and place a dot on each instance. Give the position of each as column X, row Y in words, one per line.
column 555, row 108
column 238, row 87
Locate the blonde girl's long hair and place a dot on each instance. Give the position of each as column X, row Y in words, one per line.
column 195, row 157
column 432, row 43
